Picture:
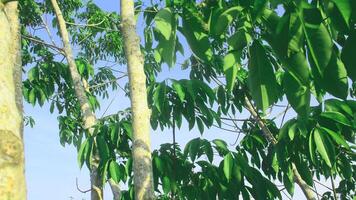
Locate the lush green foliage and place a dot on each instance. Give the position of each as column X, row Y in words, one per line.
column 292, row 52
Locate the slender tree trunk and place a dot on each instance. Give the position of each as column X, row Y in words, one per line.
column 141, row 148
column 308, row 192
column 12, row 166
column 89, row 118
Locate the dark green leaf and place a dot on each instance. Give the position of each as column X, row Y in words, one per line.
column 261, row 79
column 337, row 137
column 337, row 117
column 348, row 55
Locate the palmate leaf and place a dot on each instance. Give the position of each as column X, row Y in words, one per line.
column 261, row 79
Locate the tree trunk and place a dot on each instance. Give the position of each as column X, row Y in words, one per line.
column 308, row 192
column 89, row 118
column 141, row 148
column 12, row 166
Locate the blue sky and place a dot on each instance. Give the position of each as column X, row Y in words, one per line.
column 51, row 169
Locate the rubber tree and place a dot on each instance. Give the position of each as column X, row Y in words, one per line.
column 141, row 150
column 88, row 116
column 12, row 166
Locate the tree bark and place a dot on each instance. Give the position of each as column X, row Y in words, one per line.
column 308, row 192
column 12, row 166
column 89, row 118
column 141, row 148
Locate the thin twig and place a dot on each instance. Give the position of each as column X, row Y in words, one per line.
column 323, row 185
column 333, row 186
column 80, row 190
column 33, row 39
column 315, row 191
column 284, row 115
column 48, row 31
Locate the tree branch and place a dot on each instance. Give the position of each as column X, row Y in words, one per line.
column 308, row 192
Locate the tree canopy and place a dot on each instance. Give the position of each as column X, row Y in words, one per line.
column 242, row 56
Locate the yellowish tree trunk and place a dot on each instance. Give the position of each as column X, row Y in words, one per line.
column 141, row 148
column 89, row 118
column 12, row 166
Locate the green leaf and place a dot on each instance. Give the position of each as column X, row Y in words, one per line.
column 179, row 89
column 231, row 66
column 239, row 40
column 33, row 74
column 221, row 144
column 220, row 23
column 209, row 151
column 348, row 55
column 288, row 182
column 200, row 125
column 335, row 78
column 337, row 117
column 166, row 185
column 338, row 138
column 196, row 37
column 166, row 25
column 292, row 131
column 82, row 152
column 114, row 171
column 285, row 128
column 305, row 173
column 298, row 95
column 228, row 163
column 318, row 40
column 102, row 147
column 200, row 85
column 32, row 96
column 194, row 148
column 128, row 128
column 312, row 147
column 159, row 96
column 322, row 146
column 344, row 7
column 159, row 164
column 163, row 20
column 261, row 79
column 338, row 106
